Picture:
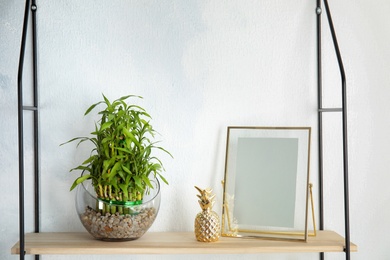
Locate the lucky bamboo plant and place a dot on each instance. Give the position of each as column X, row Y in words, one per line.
column 122, row 161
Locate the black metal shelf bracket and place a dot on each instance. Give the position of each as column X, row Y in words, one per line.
column 343, row 110
column 34, row 108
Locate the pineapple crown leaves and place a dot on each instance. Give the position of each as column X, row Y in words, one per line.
column 206, row 197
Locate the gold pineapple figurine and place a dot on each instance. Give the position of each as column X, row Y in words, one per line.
column 207, row 225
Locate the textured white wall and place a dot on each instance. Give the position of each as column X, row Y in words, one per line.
column 201, row 66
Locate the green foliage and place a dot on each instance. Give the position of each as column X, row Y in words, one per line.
column 121, row 161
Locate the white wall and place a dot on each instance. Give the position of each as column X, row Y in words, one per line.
column 200, row 66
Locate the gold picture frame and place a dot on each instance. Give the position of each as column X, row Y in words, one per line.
column 266, row 183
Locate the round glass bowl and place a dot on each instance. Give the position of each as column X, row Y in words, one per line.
column 114, row 221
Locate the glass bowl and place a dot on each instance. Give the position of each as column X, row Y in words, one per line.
column 113, row 220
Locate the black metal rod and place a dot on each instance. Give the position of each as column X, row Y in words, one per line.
column 320, row 125
column 345, row 135
column 36, row 122
column 36, row 126
column 319, row 85
column 32, row 108
column 20, row 131
column 330, row 110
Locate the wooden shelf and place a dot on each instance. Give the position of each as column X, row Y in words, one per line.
column 173, row 243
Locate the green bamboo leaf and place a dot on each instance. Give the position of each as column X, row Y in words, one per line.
column 158, row 160
column 120, row 113
column 106, row 150
column 124, row 105
column 156, row 167
column 106, row 100
column 146, row 152
column 90, row 159
column 82, row 139
column 105, row 140
column 122, row 174
column 162, row 149
column 127, row 170
column 110, row 117
column 162, row 178
column 116, row 103
column 147, row 181
column 80, row 180
column 114, row 170
column 72, row 140
column 137, row 107
column 124, row 188
column 131, row 136
column 92, row 107
column 82, row 168
column 94, row 141
column 105, row 125
column 126, row 97
column 128, row 178
column 137, row 181
column 106, row 165
column 123, row 149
